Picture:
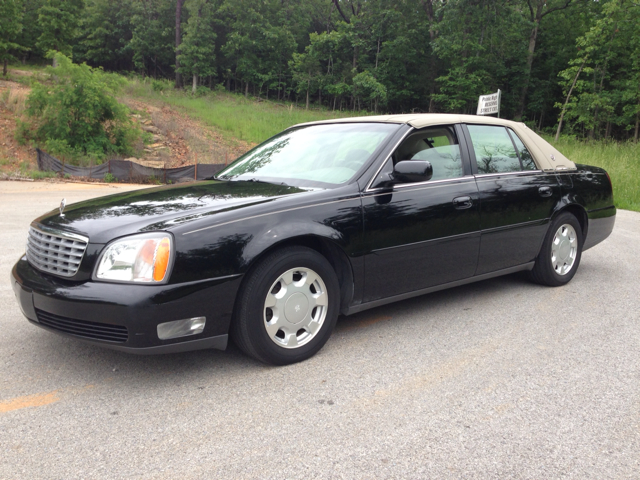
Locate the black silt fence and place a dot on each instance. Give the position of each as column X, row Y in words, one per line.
column 126, row 171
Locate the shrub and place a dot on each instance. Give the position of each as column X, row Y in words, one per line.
column 78, row 114
column 157, row 86
column 109, row 178
column 201, row 91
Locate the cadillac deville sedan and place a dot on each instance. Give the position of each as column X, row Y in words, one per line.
column 323, row 219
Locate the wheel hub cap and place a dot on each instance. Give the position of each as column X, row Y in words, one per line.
column 564, row 249
column 295, row 307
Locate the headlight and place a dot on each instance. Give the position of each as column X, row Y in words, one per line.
column 140, row 258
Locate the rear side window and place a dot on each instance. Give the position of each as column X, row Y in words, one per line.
column 525, row 156
column 494, row 149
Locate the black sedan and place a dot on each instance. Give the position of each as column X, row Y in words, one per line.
column 323, row 219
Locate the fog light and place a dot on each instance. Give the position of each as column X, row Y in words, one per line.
column 181, row 328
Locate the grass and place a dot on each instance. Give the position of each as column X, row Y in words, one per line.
column 14, row 101
column 620, row 160
column 27, row 171
column 235, row 115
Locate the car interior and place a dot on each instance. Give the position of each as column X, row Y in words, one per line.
column 436, row 145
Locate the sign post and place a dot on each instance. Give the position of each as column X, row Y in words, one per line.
column 489, row 104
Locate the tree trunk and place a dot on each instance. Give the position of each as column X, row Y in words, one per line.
column 564, row 107
column 433, row 67
column 635, row 136
column 308, row 85
column 4, row 67
column 533, row 37
column 279, row 85
column 194, row 86
column 246, row 90
column 542, row 9
column 178, row 41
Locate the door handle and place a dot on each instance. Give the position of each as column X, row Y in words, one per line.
column 545, row 191
column 462, row 202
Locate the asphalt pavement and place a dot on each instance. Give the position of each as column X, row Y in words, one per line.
column 498, row 379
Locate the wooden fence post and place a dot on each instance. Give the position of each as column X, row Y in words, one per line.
column 195, row 173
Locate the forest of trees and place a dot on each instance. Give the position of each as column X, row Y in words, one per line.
column 570, row 61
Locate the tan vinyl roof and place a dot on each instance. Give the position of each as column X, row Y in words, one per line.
column 546, row 156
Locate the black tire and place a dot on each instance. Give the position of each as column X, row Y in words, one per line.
column 543, row 271
column 249, row 323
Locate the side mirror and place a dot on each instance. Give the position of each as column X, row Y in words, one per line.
column 409, row 171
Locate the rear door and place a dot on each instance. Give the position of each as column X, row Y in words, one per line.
column 516, row 198
column 427, row 233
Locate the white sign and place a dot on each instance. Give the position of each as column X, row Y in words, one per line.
column 489, row 104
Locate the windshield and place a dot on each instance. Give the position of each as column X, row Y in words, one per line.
column 313, row 156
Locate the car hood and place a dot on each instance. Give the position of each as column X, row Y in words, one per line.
column 105, row 218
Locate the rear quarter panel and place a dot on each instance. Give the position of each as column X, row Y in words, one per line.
column 590, row 188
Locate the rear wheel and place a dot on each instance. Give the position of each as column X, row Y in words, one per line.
column 561, row 251
column 287, row 307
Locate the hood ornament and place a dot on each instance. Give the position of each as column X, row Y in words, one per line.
column 63, row 203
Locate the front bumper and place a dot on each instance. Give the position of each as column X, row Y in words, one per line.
column 85, row 310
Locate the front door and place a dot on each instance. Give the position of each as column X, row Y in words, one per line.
column 422, row 234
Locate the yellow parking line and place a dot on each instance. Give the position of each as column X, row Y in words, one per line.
column 37, row 400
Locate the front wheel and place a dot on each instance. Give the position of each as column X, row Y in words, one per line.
column 287, row 307
column 561, row 251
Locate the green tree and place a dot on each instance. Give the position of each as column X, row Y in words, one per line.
column 28, row 37
column 306, row 71
column 10, row 28
column 58, row 23
column 153, row 37
column 105, row 32
column 366, row 87
column 198, row 49
column 605, row 87
column 259, row 45
column 482, row 47
column 537, row 10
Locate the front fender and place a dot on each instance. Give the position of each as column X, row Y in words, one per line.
column 232, row 247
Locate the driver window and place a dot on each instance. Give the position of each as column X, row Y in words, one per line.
column 439, row 146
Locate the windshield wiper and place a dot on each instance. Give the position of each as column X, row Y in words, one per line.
column 257, row 180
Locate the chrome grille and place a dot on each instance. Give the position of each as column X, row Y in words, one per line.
column 59, row 253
